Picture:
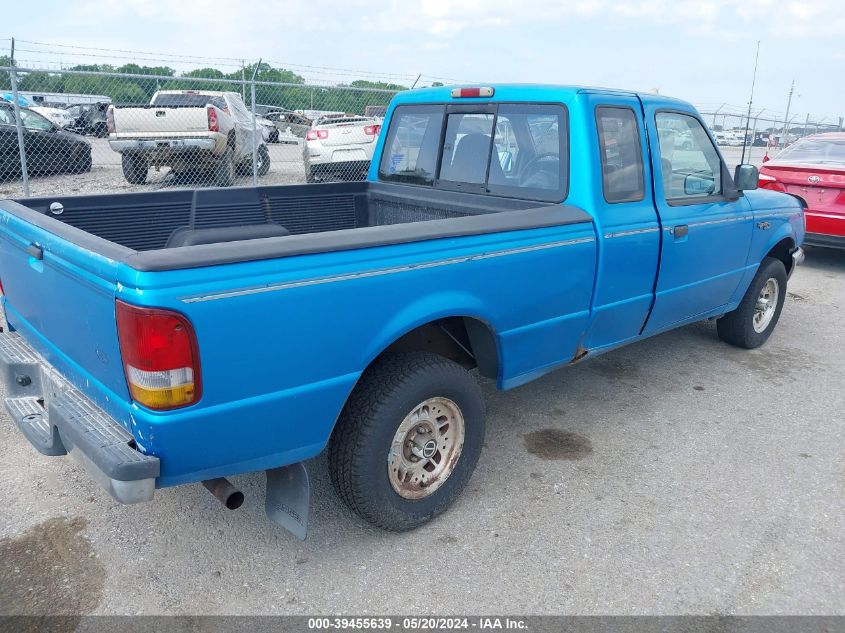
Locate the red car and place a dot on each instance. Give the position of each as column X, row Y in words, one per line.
column 813, row 169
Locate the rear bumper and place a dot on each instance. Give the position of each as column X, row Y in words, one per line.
column 163, row 146
column 826, row 241
column 58, row 419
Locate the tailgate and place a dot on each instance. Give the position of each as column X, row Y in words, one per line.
column 153, row 121
column 59, row 296
column 346, row 134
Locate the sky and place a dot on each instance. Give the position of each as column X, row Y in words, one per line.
column 701, row 50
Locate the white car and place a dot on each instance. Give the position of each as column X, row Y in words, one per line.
column 340, row 147
column 57, row 116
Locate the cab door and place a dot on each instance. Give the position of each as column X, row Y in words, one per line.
column 706, row 223
column 625, row 217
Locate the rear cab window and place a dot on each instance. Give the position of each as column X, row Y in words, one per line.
column 512, row 150
column 621, row 154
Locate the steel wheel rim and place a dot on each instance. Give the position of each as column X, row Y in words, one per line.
column 766, row 304
column 426, row 448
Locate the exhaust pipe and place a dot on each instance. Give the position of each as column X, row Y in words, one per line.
column 225, row 492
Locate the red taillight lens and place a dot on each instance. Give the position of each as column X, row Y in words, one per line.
column 771, row 183
column 313, row 135
column 110, row 119
column 160, row 356
column 213, row 123
column 372, row 130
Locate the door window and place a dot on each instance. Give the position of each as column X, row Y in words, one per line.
column 621, row 154
column 690, row 164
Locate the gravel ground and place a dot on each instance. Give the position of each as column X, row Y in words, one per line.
column 675, row 476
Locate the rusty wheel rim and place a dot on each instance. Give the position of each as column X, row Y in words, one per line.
column 425, row 448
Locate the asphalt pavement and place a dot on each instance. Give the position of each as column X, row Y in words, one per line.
column 675, row 476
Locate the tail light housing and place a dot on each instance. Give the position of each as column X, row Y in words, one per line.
column 372, row 130
column 160, row 356
column 110, row 119
column 313, row 135
column 771, row 183
column 213, row 123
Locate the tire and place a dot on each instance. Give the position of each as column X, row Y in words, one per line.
column 386, row 414
column 101, row 130
column 311, row 176
column 224, row 171
column 751, row 324
column 263, row 155
column 134, row 168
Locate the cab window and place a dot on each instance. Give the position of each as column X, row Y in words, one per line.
column 410, row 149
column 621, row 154
column 689, row 162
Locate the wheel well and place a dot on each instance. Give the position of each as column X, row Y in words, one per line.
column 782, row 251
column 465, row 340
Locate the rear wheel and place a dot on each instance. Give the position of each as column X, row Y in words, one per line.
column 407, row 440
column 135, row 168
column 263, row 160
column 755, row 318
column 224, row 171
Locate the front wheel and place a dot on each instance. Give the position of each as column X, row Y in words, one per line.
column 407, row 440
column 756, row 316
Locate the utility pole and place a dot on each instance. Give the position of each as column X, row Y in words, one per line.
column 750, row 101
column 786, row 117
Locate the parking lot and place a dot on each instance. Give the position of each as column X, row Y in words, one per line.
column 675, row 476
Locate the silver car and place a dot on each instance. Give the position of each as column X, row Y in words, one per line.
column 340, row 147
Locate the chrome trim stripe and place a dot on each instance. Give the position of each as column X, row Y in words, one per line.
column 384, row 271
column 610, row 236
column 691, row 225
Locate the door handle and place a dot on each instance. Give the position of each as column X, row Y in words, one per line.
column 682, row 230
column 35, row 251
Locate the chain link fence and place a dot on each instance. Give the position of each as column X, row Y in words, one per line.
column 85, row 132
column 81, row 131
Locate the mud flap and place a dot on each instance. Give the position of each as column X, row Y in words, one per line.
column 288, row 498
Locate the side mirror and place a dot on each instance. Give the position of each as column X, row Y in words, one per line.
column 746, row 177
column 699, row 185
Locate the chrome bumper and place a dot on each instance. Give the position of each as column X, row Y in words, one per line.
column 166, row 145
column 58, row 419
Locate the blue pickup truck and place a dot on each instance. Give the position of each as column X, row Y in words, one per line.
column 172, row 337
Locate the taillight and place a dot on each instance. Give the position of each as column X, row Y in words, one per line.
column 313, row 135
column 110, row 119
column 213, row 123
column 372, row 130
column 160, row 356
column 771, row 183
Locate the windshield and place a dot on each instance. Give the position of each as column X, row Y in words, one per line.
column 815, row 151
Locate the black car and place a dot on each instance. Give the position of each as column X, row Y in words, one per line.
column 49, row 150
column 89, row 118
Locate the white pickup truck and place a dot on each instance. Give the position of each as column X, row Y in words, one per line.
column 185, row 130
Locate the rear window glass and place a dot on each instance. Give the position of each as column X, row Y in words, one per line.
column 811, row 150
column 410, row 149
column 466, row 148
column 621, row 154
column 520, row 151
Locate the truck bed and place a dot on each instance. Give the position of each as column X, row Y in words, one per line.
column 322, row 217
